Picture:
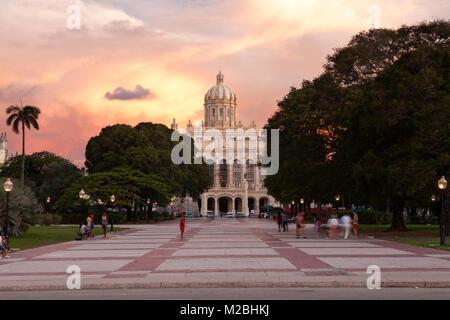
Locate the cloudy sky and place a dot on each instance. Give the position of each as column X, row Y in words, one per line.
column 152, row 60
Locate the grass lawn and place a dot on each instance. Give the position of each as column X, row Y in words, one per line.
column 417, row 235
column 38, row 236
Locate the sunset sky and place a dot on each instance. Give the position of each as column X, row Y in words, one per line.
column 153, row 60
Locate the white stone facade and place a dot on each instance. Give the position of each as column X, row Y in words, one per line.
column 237, row 186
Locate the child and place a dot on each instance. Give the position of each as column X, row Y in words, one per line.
column 4, row 247
column 182, row 223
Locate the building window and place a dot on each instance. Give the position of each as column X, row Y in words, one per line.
column 211, row 172
column 237, row 172
column 213, row 114
column 228, row 114
column 250, row 175
column 207, row 114
column 221, row 114
column 223, row 174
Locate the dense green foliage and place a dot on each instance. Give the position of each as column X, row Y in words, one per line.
column 374, row 127
column 47, row 174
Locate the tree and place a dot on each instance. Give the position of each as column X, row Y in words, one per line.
column 146, row 147
column 47, row 173
column 375, row 124
column 128, row 186
column 26, row 116
column 399, row 132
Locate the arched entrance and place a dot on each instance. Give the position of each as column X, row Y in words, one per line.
column 251, row 204
column 211, row 204
column 263, row 202
column 225, row 204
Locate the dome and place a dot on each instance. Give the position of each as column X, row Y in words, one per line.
column 220, row 91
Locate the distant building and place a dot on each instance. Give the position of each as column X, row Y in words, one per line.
column 3, row 148
column 236, row 187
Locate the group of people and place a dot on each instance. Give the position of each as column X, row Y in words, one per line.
column 333, row 224
column 87, row 230
column 346, row 223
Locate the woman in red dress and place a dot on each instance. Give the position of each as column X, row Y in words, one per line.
column 182, row 223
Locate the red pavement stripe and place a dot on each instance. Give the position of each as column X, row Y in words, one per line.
column 302, row 260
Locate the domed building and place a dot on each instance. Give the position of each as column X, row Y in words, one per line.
column 238, row 186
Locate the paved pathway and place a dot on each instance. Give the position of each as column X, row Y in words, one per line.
column 223, row 253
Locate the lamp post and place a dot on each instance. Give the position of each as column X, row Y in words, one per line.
column 292, row 207
column 113, row 198
column 337, row 198
column 442, row 184
column 8, row 185
column 48, row 203
column 146, row 215
column 81, row 195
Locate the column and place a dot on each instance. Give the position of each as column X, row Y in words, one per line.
column 216, row 176
column 230, row 176
column 257, row 186
column 204, row 204
column 216, row 206
column 256, row 206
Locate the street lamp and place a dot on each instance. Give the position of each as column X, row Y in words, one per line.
column 48, row 203
column 442, row 184
column 113, row 198
column 292, row 207
column 82, row 196
column 433, row 198
column 8, row 185
column 302, row 202
column 146, row 214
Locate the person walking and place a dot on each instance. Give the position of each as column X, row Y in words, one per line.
column 88, row 225
column 279, row 221
column 355, row 223
column 104, row 223
column 182, row 223
column 317, row 223
column 333, row 225
column 300, row 225
column 346, row 223
column 284, row 218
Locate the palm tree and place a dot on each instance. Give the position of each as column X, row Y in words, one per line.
column 27, row 116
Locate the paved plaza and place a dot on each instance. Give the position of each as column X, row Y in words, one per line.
column 223, row 253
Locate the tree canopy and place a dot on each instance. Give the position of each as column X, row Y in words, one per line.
column 374, row 126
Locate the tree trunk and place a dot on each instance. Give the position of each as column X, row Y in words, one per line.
column 22, row 170
column 398, row 221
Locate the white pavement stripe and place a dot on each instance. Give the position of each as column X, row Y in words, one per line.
column 225, row 245
column 225, row 263
column 332, row 244
column 61, row 266
column 224, row 252
column 352, row 251
column 109, row 245
column 69, row 254
column 385, row 262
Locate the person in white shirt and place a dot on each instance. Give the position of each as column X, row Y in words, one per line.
column 333, row 225
column 346, row 223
